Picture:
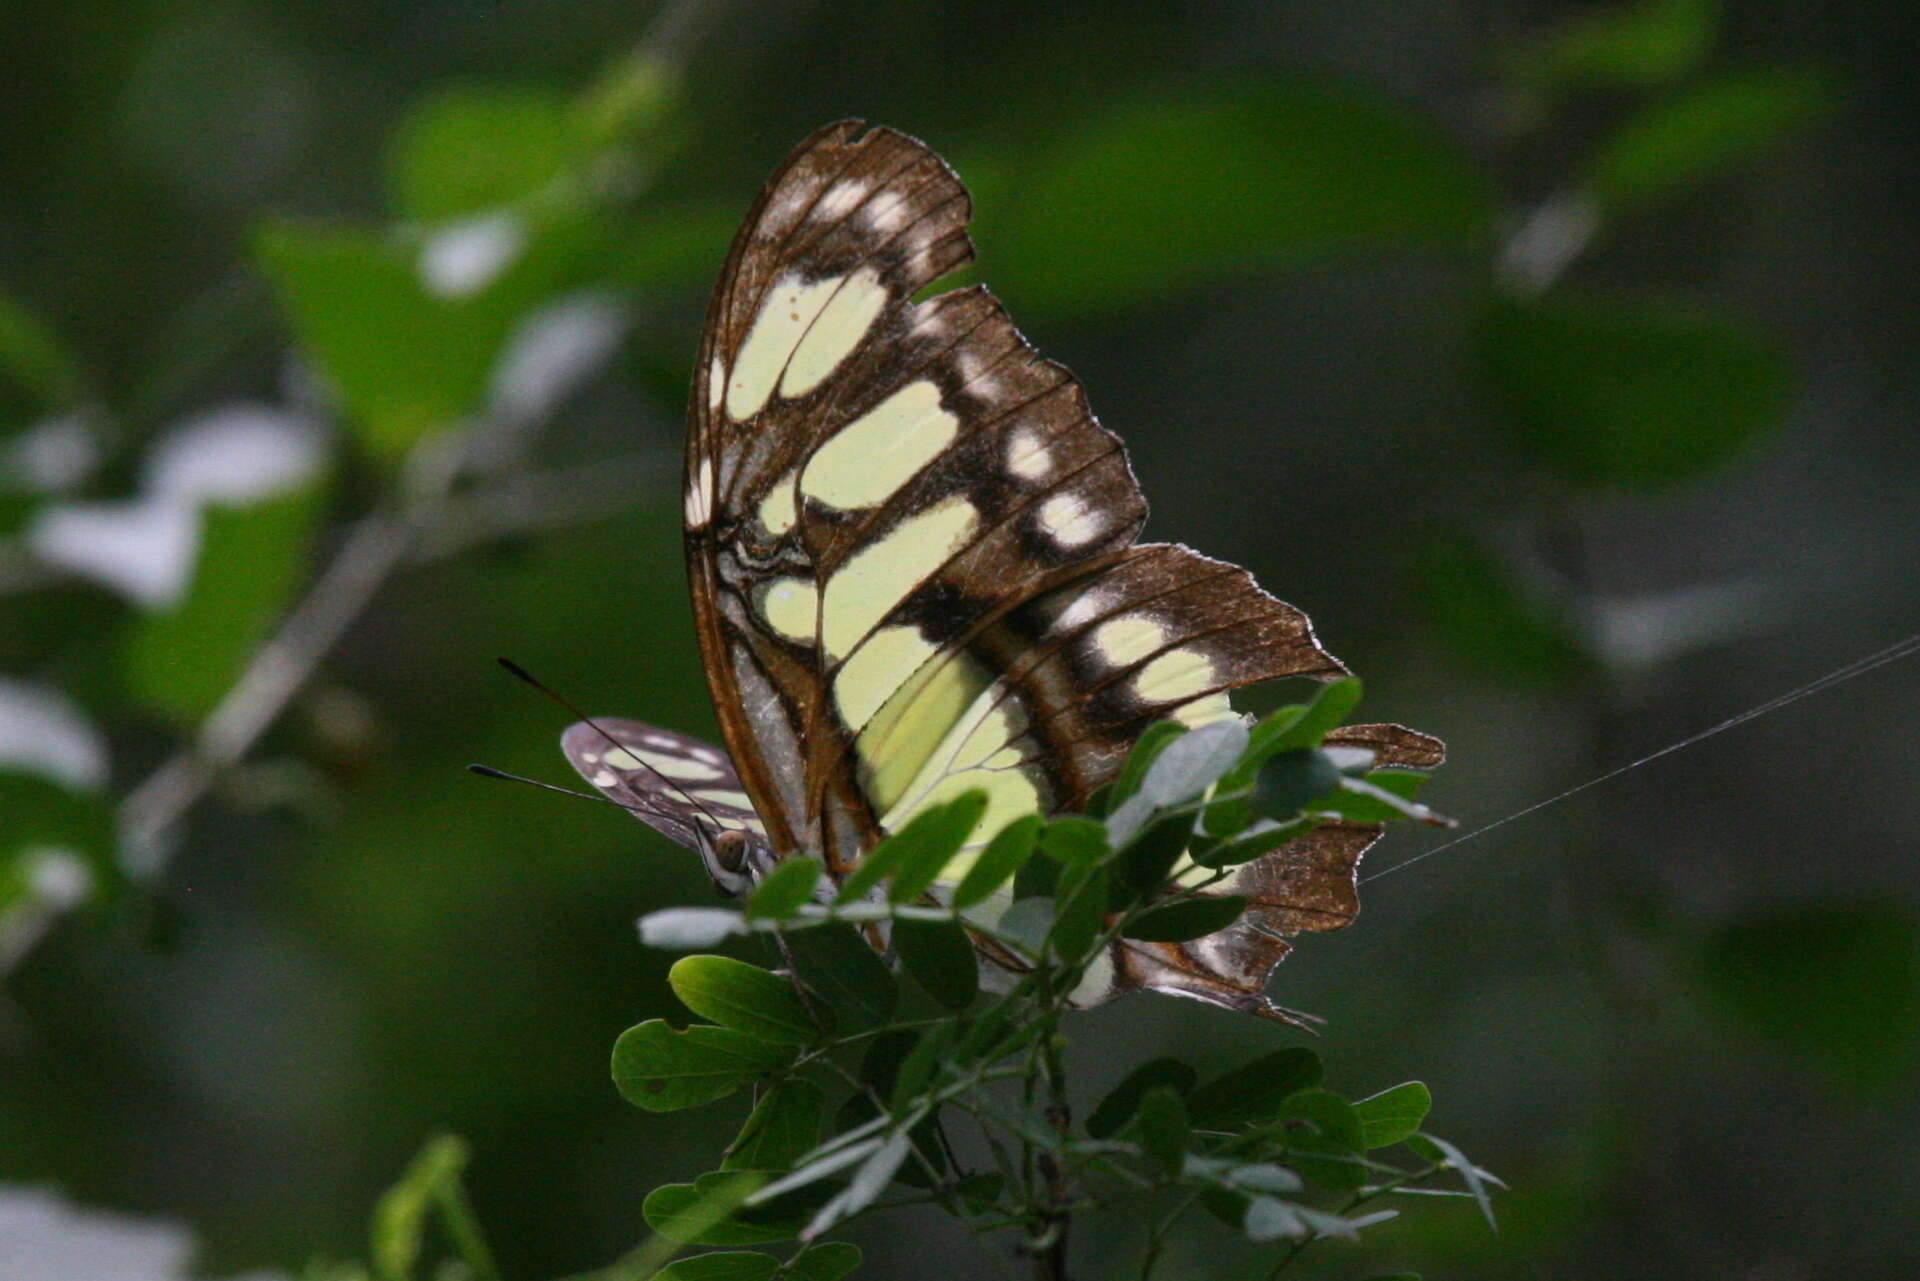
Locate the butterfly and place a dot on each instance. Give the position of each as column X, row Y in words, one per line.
column 912, row 555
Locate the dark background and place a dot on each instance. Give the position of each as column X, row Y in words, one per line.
column 1561, row 515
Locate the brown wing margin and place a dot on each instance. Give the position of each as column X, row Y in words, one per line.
column 1306, row 886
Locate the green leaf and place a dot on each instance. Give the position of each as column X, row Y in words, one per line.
column 1259, row 839
column 1630, row 46
column 1081, row 913
column 1474, row 608
column 922, row 1064
column 400, row 1218
column 1161, row 1122
column 471, row 148
column 37, row 376
column 406, row 361
column 1149, row 857
column 711, row 1211
column 721, row 1265
column 1174, row 178
column 1290, row 781
column 743, row 997
column 663, row 1070
column 1707, row 129
column 1253, row 1094
column 252, row 560
column 1074, row 839
column 1193, row 918
column 838, row 967
column 1146, row 750
column 789, row 885
column 1193, row 762
column 1390, row 1116
column 1629, row 394
column 784, row 1125
column 932, row 837
column 941, row 959
column 1836, row 984
column 1113, row 1112
column 828, row 1261
column 1037, row 878
column 1291, row 728
column 1365, row 806
column 1324, row 1139
column 1004, row 855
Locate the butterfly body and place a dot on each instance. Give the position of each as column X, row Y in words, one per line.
column 911, row 554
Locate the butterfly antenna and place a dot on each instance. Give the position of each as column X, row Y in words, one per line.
column 488, row 771
column 523, row 674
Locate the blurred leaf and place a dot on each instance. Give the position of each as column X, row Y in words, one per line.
column 1837, row 984
column 922, row 1063
column 790, row 884
column 1074, row 839
column 1289, row 728
column 784, row 1125
column 1327, row 1149
column 1146, row 750
column 400, row 1219
column 743, row 997
column 1194, row 188
column 1253, row 1093
column 838, row 966
column 721, row 1265
column 1266, row 1219
column 1363, row 807
column 405, row 360
column 681, row 928
column 917, row 851
column 474, row 147
column 1161, row 1122
column 1291, row 780
column 662, row 1070
column 252, row 559
column 1150, row 856
column 37, row 376
column 1629, row 46
column 1476, row 1179
column 1707, row 129
column 1193, row 762
column 868, row 1182
column 1481, row 619
column 828, row 1261
column 1617, row 393
column 932, row 838
column 708, row 1211
column 941, row 959
column 675, row 248
column 1112, row 1113
column 1081, row 913
column 1390, row 1116
column 1004, row 855
column 1194, row 918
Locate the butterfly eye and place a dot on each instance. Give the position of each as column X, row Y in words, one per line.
column 730, row 851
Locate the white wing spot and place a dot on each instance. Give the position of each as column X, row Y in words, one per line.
column 835, row 333
column 1027, row 457
column 863, row 463
column 1128, row 639
column 1177, row 674
column 605, row 778
column 1068, row 521
column 791, row 607
column 841, row 198
column 785, row 321
column 1086, row 607
column 716, row 383
column 700, row 495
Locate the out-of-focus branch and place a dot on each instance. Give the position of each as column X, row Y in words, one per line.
column 433, row 524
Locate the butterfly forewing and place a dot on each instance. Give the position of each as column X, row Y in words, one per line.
column 911, row 552
column 911, row 544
